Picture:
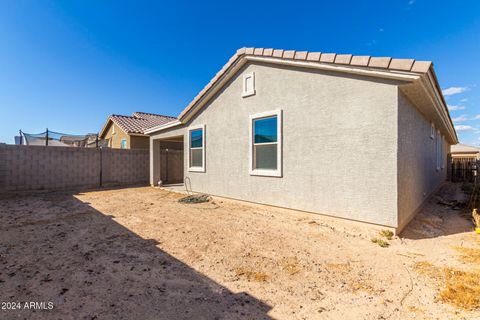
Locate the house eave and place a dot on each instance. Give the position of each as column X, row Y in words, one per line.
column 441, row 108
column 423, row 75
column 162, row 127
column 137, row 134
column 105, row 126
column 234, row 66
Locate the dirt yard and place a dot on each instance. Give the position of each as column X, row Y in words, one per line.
column 137, row 253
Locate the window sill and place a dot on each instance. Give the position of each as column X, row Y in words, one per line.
column 266, row 173
column 196, row 169
column 248, row 94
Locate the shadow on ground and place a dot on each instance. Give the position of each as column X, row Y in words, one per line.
column 436, row 219
column 55, row 248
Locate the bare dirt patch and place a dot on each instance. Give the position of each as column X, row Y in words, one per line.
column 139, row 253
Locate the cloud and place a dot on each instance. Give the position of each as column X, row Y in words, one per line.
column 474, row 144
column 454, row 108
column 461, row 118
column 453, row 90
column 476, row 117
column 464, row 100
column 464, row 128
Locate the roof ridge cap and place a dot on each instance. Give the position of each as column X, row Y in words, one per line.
column 387, row 63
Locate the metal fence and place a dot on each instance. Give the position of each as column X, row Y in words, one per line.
column 464, row 169
column 57, row 139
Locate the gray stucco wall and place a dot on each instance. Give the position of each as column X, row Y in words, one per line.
column 339, row 143
column 418, row 176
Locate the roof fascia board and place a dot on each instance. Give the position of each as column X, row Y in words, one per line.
column 163, row 127
column 186, row 115
column 105, row 126
column 437, row 99
column 136, row 134
column 189, row 112
column 390, row 74
column 405, row 76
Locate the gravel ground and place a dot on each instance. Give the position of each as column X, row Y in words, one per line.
column 136, row 253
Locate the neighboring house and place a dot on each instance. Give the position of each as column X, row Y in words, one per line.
column 355, row 137
column 464, row 162
column 465, row 151
column 87, row 141
column 126, row 132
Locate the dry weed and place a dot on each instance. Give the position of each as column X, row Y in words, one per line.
column 415, row 309
column 461, row 289
column 469, row 255
column 476, row 218
column 291, row 265
column 257, row 276
column 356, row 281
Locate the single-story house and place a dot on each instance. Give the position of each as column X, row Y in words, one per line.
column 127, row 132
column 356, row 137
column 464, row 151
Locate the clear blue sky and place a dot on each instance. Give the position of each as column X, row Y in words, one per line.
column 67, row 65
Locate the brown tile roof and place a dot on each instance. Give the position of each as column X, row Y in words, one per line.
column 378, row 63
column 345, row 59
column 138, row 122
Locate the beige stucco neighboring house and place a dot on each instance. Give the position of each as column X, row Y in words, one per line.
column 127, row 132
column 465, row 151
column 354, row 137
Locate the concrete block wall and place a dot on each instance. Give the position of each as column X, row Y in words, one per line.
column 54, row 168
column 125, row 166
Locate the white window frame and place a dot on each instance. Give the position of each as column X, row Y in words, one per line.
column 437, row 150
column 441, row 152
column 202, row 168
column 252, row 91
column 432, row 130
column 265, row 172
column 121, row 144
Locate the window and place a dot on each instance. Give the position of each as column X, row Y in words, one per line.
column 196, row 141
column 442, row 159
column 432, row 131
column 123, row 144
column 248, row 85
column 438, row 149
column 266, row 144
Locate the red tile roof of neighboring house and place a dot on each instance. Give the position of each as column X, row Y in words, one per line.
column 138, row 122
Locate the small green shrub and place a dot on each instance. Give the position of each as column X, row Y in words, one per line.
column 387, row 234
column 380, row 242
column 195, row 199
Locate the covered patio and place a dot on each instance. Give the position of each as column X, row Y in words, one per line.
column 167, row 161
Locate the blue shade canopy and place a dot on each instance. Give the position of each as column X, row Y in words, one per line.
column 196, row 138
column 265, row 130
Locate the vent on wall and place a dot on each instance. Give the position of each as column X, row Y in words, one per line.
column 248, row 84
